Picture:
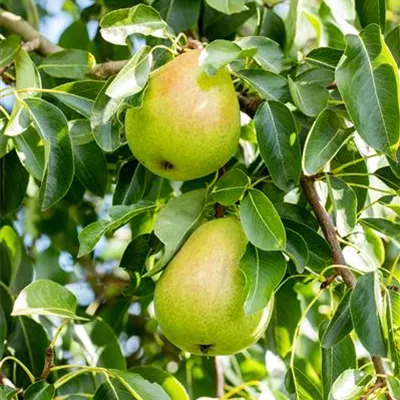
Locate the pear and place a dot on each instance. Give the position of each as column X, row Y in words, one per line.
column 188, row 125
column 199, row 299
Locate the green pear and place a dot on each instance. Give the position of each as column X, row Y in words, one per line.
column 188, row 125
column 199, row 299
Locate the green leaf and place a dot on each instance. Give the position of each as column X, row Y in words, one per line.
column 120, row 215
column 394, row 386
column 9, row 47
column 53, row 127
column 117, row 25
column 171, row 385
column 263, row 271
column 319, row 251
column 279, row 144
column 325, row 57
column 228, row 6
column 340, row 325
column 72, row 64
column 317, row 75
column 395, row 164
column 3, row 329
column 309, row 98
column 14, row 181
column 336, row 360
column 28, row 341
column 220, row 53
column 31, row 153
column 178, row 14
column 387, row 176
column 18, row 123
column 78, row 95
column 350, row 385
column 176, row 221
column 371, row 12
column 261, row 222
column 230, row 187
column 297, row 213
column 105, row 132
column 392, row 308
column 344, row 202
column 90, row 163
column 269, row 54
column 297, row 249
column 26, row 74
column 393, row 42
column 45, row 297
column 304, row 388
column 363, row 76
column 40, row 390
column 365, row 304
column 140, row 387
column 388, row 228
column 269, row 85
column 325, row 138
column 291, row 22
column 133, row 77
column 68, row 38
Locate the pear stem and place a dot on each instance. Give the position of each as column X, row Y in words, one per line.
column 219, row 377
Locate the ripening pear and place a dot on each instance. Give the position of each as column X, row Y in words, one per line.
column 199, row 299
column 188, row 125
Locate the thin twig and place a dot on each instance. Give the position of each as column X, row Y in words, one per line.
column 219, row 375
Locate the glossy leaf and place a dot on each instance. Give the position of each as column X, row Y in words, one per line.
column 392, row 312
column 40, row 390
column 297, row 249
column 304, row 388
column 53, row 127
column 220, row 53
column 120, row 215
column 393, row 41
column 340, row 325
column 291, row 23
column 133, row 77
column 263, row 271
column 268, row 85
column 297, row 213
column 261, row 222
column 349, row 385
column 72, row 64
column 387, row 176
column 365, row 304
column 344, row 202
column 117, row 25
column 388, row 228
column 9, row 47
column 327, row 135
column 325, row 57
column 371, row 12
column 230, row 187
column 279, row 145
column 90, row 163
column 176, row 221
column 228, row 6
column 368, row 82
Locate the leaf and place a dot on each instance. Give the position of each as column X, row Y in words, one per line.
column 176, row 221
column 28, row 341
column 364, row 75
column 45, row 297
column 392, row 308
column 120, row 215
column 168, row 382
column 14, row 181
column 230, row 187
column 297, row 249
column 371, row 12
column 117, row 25
column 340, row 325
column 303, row 386
column 26, row 74
column 53, row 127
column 291, row 22
column 263, row 271
column 268, row 85
column 18, row 123
column 261, row 222
column 220, row 53
column 90, row 163
column 336, row 360
column 40, row 390
column 325, row 57
column 133, row 77
column 344, row 202
column 139, row 386
column 3, row 329
column 76, row 30
column 350, row 385
column 384, row 226
column 9, row 47
column 278, row 142
column 317, row 75
column 104, row 108
column 228, row 6
column 178, row 14
column 72, row 64
column 269, row 54
column 78, row 95
column 325, row 138
column 297, row 213
column 309, row 98
column 393, row 42
column 365, row 303
column 386, row 175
